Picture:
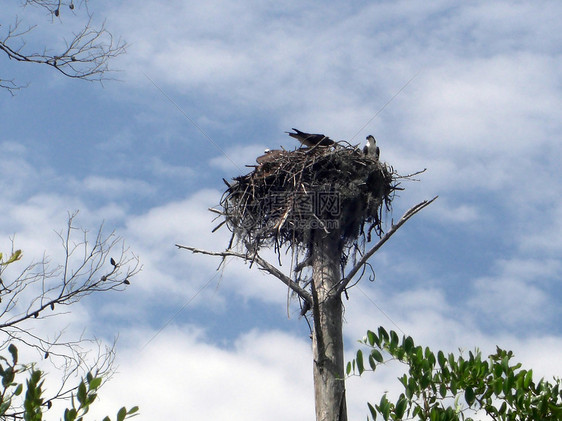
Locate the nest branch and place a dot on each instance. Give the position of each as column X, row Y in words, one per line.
column 411, row 212
column 263, row 265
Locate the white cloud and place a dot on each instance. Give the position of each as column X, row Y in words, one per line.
column 153, row 236
column 235, row 159
column 161, row 168
column 458, row 213
column 185, row 376
column 545, row 238
column 509, row 302
column 115, row 187
column 534, row 270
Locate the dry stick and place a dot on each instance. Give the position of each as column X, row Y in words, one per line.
column 264, row 265
column 411, row 212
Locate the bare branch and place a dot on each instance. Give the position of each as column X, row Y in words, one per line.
column 263, row 265
column 40, row 289
column 411, row 212
column 85, row 56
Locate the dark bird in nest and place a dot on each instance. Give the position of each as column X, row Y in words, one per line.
column 371, row 148
column 311, row 140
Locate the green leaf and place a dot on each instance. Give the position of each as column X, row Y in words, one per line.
column 452, row 361
column 133, row 410
column 469, row 396
column 412, row 388
column 400, row 353
column 14, row 351
column 401, row 407
column 409, row 344
column 528, row 379
column 393, row 339
column 70, row 414
column 121, row 414
column 430, row 357
column 508, row 384
column 372, row 411
column 372, row 362
column 8, row 377
column 497, row 370
column 15, row 256
column 383, row 335
column 502, row 409
column 441, row 359
column 348, row 368
column 505, row 364
column 377, row 355
column 498, row 386
column 442, row 390
column 360, row 366
column 434, row 414
column 419, row 355
column 453, row 386
column 371, row 338
column 384, row 407
column 82, row 392
column 5, row 406
column 95, row 383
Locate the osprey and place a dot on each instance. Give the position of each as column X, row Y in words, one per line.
column 311, row 140
column 270, row 156
column 371, row 148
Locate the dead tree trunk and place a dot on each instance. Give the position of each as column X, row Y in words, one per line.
column 327, row 338
column 280, row 204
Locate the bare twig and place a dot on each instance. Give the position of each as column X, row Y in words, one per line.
column 263, row 265
column 85, row 56
column 41, row 289
column 411, row 212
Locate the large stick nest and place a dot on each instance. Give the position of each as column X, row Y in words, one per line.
column 291, row 195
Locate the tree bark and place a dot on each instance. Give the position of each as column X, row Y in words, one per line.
column 327, row 338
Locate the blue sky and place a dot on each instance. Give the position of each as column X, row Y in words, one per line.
column 480, row 267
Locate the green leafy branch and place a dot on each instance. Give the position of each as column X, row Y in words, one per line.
column 495, row 386
column 34, row 405
column 16, row 255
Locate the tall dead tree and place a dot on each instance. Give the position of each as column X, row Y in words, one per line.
column 321, row 204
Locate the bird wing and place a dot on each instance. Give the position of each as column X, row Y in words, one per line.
column 311, row 139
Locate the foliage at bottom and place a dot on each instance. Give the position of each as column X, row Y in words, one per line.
column 441, row 387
